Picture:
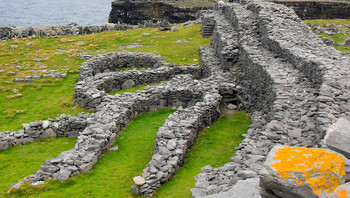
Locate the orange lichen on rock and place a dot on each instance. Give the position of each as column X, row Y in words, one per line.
column 316, row 168
column 341, row 194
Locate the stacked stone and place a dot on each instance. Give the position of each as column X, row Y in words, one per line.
column 115, row 61
column 114, row 113
column 151, row 24
column 278, row 90
column 225, row 43
column 90, row 92
column 323, row 66
column 63, row 126
column 180, row 131
column 59, row 30
column 174, row 139
column 208, row 24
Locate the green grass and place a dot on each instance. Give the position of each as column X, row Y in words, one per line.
column 21, row 161
column 48, row 98
column 112, row 175
column 38, row 101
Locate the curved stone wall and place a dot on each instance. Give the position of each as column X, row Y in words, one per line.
column 97, row 79
column 115, row 61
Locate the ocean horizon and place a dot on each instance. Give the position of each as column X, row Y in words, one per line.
column 24, row 13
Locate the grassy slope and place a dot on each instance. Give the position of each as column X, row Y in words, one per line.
column 51, row 97
column 113, row 173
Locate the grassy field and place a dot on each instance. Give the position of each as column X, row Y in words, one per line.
column 112, row 175
column 340, row 37
column 48, row 98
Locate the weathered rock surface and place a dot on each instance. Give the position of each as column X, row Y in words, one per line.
column 137, row 12
column 301, row 172
column 248, row 188
column 338, row 137
column 343, row 191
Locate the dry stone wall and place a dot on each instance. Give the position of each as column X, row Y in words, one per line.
column 294, row 85
column 196, row 92
column 73, row 29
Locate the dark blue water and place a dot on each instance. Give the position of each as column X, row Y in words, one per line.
column 26, row 13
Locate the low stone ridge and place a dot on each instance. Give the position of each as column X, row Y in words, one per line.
column 301, row 172
column 63, row 126
column 73, row 29
column 292, row 83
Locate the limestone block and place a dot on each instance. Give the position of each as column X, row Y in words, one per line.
column 338, row 137
column 301, row 172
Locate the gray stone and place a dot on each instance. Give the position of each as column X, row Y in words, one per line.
column 63, row 174
column 13, row 47
column 296, row 185
column 231, row 106
column 81, row 43
column 346, row 42
column 338, row 137
column 295, row 133
column 128, row 84
column 16, row 186
column 248, row 188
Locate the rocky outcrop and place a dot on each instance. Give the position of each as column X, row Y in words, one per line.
column 301, row 172
column 136, row 12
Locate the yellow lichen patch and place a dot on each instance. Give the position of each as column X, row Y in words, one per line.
column 316, row 168
column 341, row 194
